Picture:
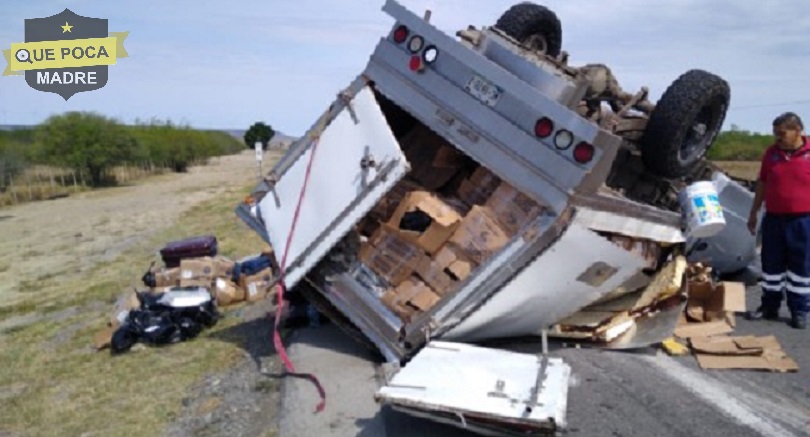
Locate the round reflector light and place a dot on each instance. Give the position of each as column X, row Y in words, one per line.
column 430, row 54
column 563, row 139
column 400, row 34
column 415, row 63
column 416, row 43
column 583, row 153
column 544, row 127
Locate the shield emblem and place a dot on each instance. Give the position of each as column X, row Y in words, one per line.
column 52, row 29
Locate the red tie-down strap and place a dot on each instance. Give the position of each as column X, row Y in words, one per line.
column 282, row 288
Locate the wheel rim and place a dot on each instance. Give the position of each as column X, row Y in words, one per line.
column 701, row 131
column 536, row 42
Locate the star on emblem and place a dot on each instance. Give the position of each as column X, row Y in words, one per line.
column 66, row 27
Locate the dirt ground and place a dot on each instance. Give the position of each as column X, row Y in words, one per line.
column 67, row 236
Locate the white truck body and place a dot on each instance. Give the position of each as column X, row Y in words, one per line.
column 485, row 101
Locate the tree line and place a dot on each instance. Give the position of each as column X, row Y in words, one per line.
column 738, row 144
column 92, row 144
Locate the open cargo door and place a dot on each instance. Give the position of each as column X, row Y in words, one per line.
column 487, row 391
column 356, row 161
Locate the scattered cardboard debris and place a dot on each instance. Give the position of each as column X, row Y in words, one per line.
column 705, row 329
column 749, row 353
column 711, row 307
column 708, row 319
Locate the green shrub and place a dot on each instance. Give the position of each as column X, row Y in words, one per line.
column 739, row 145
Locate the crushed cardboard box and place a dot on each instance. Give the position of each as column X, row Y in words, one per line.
column 750, row 353
column 711, row 308
column 708, row 319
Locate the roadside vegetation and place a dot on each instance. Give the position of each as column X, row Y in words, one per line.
column 739, row 145
column 52, row 382
column 75, row 151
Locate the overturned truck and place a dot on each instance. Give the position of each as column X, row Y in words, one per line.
column 478, row 187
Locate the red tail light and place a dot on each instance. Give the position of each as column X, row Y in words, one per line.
column 415, row 64
column 583, row 153
column 544, row 127
column 400, row 34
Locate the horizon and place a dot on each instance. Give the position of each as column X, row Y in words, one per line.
column 208, row 65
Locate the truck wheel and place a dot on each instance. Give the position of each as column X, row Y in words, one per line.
column 533, row 25
column 684, row 123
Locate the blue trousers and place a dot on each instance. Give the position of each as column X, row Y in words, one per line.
column 786, row 262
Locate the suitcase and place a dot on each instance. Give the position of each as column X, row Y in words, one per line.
column 193, row 247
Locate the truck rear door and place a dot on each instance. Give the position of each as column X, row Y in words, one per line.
column 330, row 180
column 488, row 391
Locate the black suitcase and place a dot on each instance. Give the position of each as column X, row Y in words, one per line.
column 193, row 247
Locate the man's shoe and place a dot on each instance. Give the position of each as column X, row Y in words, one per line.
column 798, row 322
column 761, row 313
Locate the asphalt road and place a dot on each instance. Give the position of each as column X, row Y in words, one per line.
column 643, row 393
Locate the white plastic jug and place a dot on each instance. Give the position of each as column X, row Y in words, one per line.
column 702, row 210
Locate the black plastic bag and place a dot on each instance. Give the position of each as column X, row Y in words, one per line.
column 158, row 323
column 149, row 278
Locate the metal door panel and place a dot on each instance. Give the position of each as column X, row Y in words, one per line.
column 339, row 191
column 469, row 383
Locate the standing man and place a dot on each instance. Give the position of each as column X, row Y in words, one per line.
column 784, row 185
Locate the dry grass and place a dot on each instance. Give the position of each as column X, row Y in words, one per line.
column 748, row 170
column 53, row 383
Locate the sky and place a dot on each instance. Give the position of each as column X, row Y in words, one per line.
column 226, row 65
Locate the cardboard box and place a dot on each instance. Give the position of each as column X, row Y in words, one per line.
column 708, row 303
column 167, row 277
column 385, row 207
column 479, row 235
column 443, row 220
column 223, row 267
column 256, row 287
column 477, row 189
column 197, row 272
column 432, row 272
column 512, row 208
column 227, row 293
column 410, row 297
column 396, row 299
column 424, row 300
column 443, row 272
column 389, row 255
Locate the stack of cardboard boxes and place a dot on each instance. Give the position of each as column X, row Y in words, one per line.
column 217, row 275
column 431, row 243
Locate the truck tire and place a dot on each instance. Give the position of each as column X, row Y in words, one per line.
column 684, row 124
column 533, row 25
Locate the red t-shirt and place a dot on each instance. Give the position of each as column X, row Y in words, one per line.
column 787, row 179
